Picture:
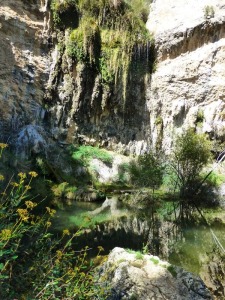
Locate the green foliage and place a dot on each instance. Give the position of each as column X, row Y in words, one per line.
column 209, row 11
column 155, row 260
column 63, row 190
column 34, row 263
column 139, row 255
column 85, row 153
column 84, row 42
column 123, row 173
column 109, row 35
column 147, row 171
column 214, row 179
column 172, row 270
column 59, row 7
column 191, row 153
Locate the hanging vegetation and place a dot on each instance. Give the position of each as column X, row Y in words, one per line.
column 107, row 34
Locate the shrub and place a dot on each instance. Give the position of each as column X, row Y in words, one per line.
column 209, row 11
column 191, row 153
column 147, row 171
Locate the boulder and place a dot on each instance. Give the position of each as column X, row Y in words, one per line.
column 132, row 275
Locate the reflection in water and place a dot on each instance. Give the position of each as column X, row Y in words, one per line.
column 111, row 224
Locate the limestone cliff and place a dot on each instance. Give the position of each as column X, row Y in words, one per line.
column 47, row 95
column 187, row 88
column 24, row 71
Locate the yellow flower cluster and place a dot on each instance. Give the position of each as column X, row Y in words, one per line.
column 23, row 213
column 48, row 223
column 59, row 254
column 14, row 184
column 66, row 232
column 3, row 145
column 30, row 204
column 51, row 211
column 33, row 174
column 1, row 177
column 5, row 234
column 22, row 175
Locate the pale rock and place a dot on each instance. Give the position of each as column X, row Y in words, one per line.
column 146, row 277
column 190, row 70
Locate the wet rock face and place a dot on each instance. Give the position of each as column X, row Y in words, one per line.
column 146, row 277
column 187, row 88
column 23, row 65
column 84, row 110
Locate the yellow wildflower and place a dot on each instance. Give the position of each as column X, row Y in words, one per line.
column 22, row 175
column 59, row 254
column 1, row 177
column 33, row 174
column 51, row 211
column 5, row 234
column 48, row 223
column 66, row 232
column 23, row 213
column 100, row 248
column 3, row 146
column 14, row 184
column 30, row 204
column 28, row 187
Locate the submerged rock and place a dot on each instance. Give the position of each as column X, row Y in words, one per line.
column 132, row 275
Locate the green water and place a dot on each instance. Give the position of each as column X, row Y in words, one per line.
column 188, row 247
column 196, row 246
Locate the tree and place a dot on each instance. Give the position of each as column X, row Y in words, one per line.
column 147, row 171
column 191, row 153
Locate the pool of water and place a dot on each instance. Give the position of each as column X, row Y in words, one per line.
column 111, row 224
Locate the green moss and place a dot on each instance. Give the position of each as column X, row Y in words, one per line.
column 154, row 260
column 85, row 153
column 84, row 42
column 139, row 255
column 172, row 270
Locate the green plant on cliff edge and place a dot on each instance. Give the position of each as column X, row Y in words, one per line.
column 209, row 11
column 34, row 263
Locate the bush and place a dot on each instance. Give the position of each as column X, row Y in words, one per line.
column 191, row 153
column 147, row 171
column 209, row 11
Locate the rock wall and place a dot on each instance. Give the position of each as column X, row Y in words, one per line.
column 24, row 68
column 83, row 110
column 45, row 96
column 188, row 86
